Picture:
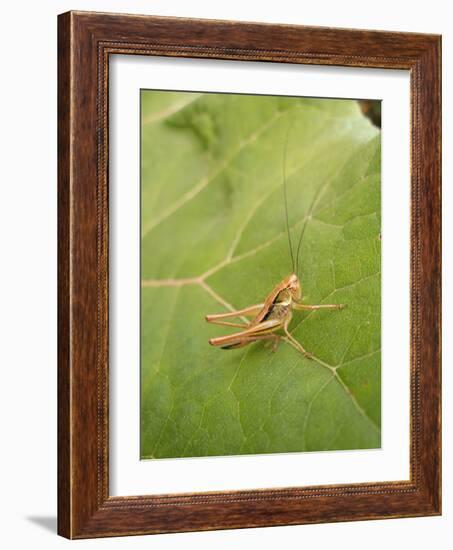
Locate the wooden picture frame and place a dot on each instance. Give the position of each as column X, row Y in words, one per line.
column 85, row 42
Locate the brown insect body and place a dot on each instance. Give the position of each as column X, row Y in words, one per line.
column 272, row 316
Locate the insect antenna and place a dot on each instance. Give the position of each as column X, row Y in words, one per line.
column 307, row 217
column 285, row 195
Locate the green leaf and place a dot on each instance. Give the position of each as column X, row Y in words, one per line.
column 213, row 238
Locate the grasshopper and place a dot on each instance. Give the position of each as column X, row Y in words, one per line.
column 274, row 315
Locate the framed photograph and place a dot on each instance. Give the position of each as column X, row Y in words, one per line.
column 249, row 275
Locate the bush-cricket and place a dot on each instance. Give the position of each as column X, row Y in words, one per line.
column 275, row 313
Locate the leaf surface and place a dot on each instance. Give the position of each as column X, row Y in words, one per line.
column 213, row 238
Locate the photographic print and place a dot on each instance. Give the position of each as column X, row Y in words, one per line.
column 221, row 305
column 260, row 274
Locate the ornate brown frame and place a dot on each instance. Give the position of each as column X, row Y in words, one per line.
column 85, row 42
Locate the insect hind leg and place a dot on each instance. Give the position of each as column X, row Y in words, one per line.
column 273, row 338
